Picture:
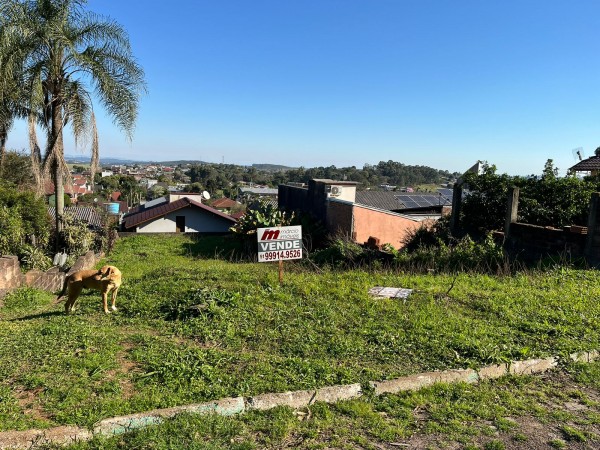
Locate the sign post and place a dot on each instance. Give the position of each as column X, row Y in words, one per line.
column 279, row 244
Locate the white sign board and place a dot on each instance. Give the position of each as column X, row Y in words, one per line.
column 279, row 243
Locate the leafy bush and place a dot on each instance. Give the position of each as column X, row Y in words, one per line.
column 24, row 218
column 545, row 200
column 203, row 302
column 76, row 237
column 34, row 258
column 261, row 215
column 106, row 238
column 457, row 256
column 342, row 252
column 12, row 235
column 428, row 235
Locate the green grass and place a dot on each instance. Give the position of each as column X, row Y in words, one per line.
column 436, row 417
column 191, row 328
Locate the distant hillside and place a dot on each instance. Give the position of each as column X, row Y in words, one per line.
column 271, row 167
column 74, row 159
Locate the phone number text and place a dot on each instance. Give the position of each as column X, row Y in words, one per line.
column 281, row 254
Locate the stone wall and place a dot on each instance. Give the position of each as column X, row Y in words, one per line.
column 86, row 261
column 52, row 280
column 10, row 274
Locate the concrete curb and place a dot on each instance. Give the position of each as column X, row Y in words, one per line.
column 35, row 438
column 294, row 399
column 124, row 424
column 302, row 399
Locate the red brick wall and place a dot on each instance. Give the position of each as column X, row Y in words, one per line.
column 10, row 273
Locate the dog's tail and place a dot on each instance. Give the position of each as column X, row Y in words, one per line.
column 64, row 290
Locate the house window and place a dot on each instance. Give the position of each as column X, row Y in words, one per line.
column 180, row 224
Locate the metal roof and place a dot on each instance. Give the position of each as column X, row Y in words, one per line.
column 87, row 214
column 411, row 201
column 132, row 220
column 259, row 191
column 379, row 199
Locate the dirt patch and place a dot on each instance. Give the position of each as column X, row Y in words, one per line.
column 570, row 421
column 125, row 372
column 28, row 401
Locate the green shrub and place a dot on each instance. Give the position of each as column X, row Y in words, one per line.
column 76, row 237
column 545, row 200
column 341, row 252
column 34, row 258
column 428, row 235
column 12, row 234
column 459, row 255
column 23, row 218
column 261, row 215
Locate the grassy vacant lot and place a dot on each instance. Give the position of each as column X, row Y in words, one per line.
column 192, row 328
column 559, row 410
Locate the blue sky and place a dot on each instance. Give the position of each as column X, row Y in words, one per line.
column 348, row 82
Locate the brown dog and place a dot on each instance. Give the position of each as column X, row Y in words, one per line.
column 104, row 280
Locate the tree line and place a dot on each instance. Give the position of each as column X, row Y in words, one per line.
column 215, row 177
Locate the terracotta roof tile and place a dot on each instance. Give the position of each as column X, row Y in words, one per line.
column 224, row 203
column 587, row 165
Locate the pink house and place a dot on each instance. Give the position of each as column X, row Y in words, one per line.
column 334, row 203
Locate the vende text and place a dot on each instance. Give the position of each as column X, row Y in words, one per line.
column 279, row 245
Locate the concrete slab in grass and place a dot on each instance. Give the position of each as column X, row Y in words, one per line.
column 332, row 394
column 585, row 356
column 123, row 424
column 35, row 438
column 533, row 366
column 415, row 382
column 493, row 371
column 295, row 400
column 302, row 399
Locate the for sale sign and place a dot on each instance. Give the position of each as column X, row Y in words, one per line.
column 279, row 243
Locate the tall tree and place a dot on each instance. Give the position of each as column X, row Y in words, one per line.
column 67, row 54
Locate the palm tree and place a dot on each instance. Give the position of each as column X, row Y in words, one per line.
column 65, row 54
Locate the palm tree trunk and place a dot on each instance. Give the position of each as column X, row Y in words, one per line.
column 3, row 137
column 56, row 147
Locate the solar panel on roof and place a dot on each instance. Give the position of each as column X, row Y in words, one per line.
column 423, row 201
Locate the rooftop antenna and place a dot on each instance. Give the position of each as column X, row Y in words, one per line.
column 578, row 154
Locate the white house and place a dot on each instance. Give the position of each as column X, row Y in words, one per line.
column 180, row 216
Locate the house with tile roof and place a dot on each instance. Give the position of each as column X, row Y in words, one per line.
column 225, row 203
column 183, row 215
column 589, row 166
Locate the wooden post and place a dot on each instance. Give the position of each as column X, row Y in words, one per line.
column 281, row 272
column 592, row 226
column 512, row 207
column 456, row 206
